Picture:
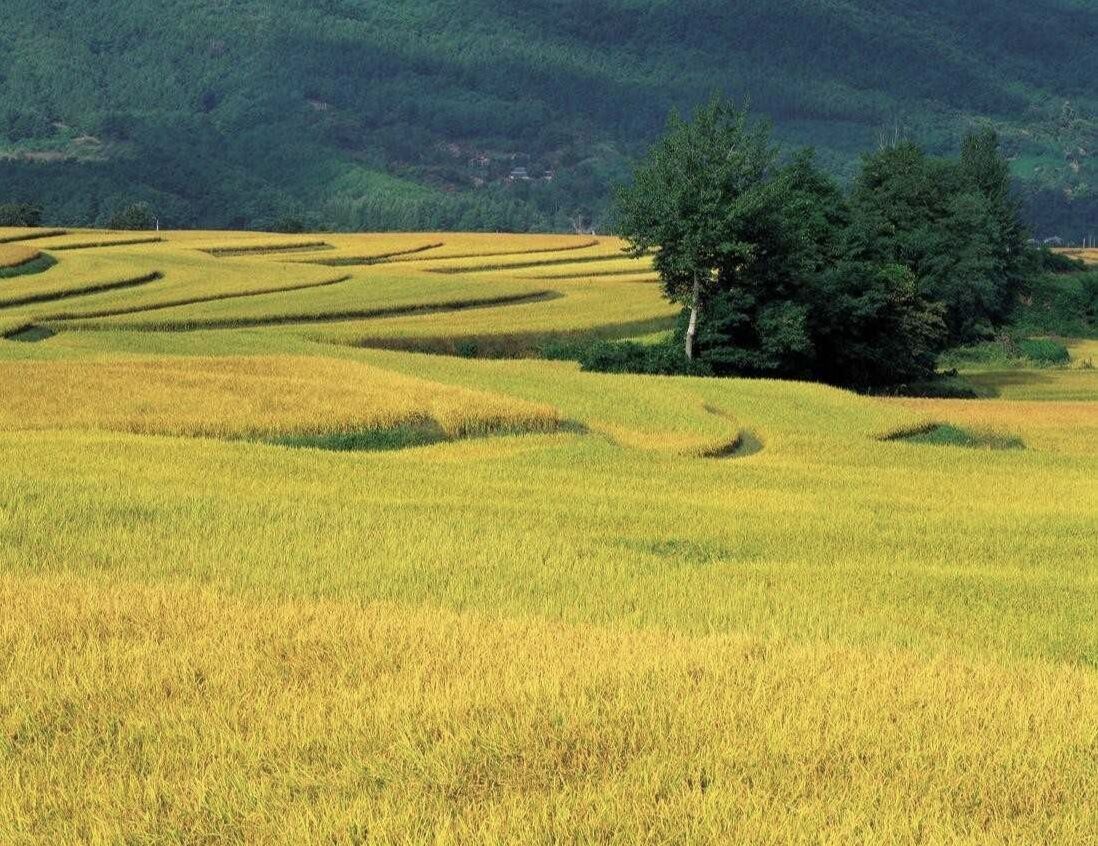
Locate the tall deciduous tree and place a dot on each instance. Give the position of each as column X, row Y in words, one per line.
column 955, row 225
column 136, row 217
column 781, row 276
column 695, row 201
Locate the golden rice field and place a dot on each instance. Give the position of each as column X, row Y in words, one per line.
column 1089, row 254
column 13, row 255
column 272, row 570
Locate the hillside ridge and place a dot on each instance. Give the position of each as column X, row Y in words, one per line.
column 481, row 114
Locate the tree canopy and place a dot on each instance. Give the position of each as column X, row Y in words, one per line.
column 782, row 273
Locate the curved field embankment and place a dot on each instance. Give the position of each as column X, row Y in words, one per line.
column 20, row 260
column 15, row 236
column 370, row 260
column 14, row 255
column 210, row 298
column 307, row 318
column 100, row 245
column 521, row 265
column 268, row 249
column 82, row 291
column 297, row 401
column 583, row 245
column 1068, row 427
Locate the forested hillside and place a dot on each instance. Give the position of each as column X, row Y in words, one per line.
column 485, row 114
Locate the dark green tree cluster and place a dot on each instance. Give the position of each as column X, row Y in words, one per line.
column 783, row 274
column 232, row 115
column 955, row 224
column 20, row 214
column 136, row 216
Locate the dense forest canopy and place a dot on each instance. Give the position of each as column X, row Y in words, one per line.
column 496, row 115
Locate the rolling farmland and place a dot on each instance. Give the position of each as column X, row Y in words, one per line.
column 302, row 541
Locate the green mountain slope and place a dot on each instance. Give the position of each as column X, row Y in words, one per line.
column 413, row 113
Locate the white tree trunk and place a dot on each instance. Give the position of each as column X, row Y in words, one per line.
column 692, row 329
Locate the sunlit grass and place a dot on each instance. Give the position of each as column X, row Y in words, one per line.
column 249, row 397
column 157, row 713
column 605, row 624
column 13, row 255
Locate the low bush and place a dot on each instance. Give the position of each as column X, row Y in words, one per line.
column 946, row 386
column 1064, row 305
column 1044, row 352
column 20, row 214
column 664, row 359
column 1048, row 261
column 1009, row 351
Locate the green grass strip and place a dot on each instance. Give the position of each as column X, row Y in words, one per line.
column 946, row 434
column 38, row 264
column 269, row 249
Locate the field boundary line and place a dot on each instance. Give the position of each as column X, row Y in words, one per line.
column 336, row 317
column 99, row 288
column 503, row 254
column 34, row 236
column 267, row 249
column 367, row 261
column 100, row 245
column 598, row 274
column 521, row 265
column 503, row 346
column 213, row 298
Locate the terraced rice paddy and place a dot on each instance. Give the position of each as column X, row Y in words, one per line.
column 271, row 573
column 13, row 255
column 1089, row 255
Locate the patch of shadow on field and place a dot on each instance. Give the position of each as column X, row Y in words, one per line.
column 690, row 552
column 745, row 444
column 30, row 334
column 100, row 245
column 212, row 298
column 34, row 236
column 346, row 316
column 946, row 434
column 371, row 440
column 406, row 436
column 368, row 261
column 268, row 249
column 38, row 264
column 524, row 345
column 97, row 288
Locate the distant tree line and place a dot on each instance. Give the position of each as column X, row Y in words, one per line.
column 373, row 115
column 20, row 214
column 782, row 273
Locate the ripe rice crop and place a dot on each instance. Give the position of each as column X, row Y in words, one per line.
column 1090, row 256
column 18, row 235
column 112, row 242
column 264, row 583
column 13, row 255
column 269, row 249
column 248, row 398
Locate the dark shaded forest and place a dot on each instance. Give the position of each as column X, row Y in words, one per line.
column 483, row 114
